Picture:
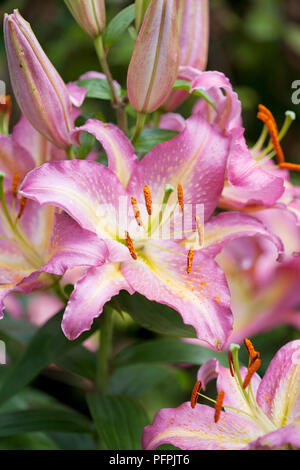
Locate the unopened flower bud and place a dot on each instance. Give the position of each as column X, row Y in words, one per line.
column 154, row 64
column 39, row 90
column 89, row 14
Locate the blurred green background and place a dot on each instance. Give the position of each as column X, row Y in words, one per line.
column 256, row 43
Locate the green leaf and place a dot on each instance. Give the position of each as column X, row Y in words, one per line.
column 167, row 350
column 119, row 421
column 135, row 380
column 154, row 316
column 87, row 142
column 73, row 441
column 96, row 88
column 18, row 422
column 47, row 345
column 151, row 137
column 202, row 94
column 118, row 25
column 182, row 85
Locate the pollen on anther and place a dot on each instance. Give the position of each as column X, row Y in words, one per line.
column 23, row 202
column 268, row 119
column 190, row 258
column 251, row 371
column 148, row 199
column 136, row 211
column 253, row 355
column 15, row 184
column 195, row 393
column 130, row 246
column 180, row 197
column 218, row 405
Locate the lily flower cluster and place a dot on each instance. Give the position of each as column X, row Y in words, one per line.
column 201, row 222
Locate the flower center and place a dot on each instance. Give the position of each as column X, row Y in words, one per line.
column 252, row 410
column 160, row 218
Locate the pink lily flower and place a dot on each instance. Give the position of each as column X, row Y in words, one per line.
column 264, row 293
column 169, row 271
column 260, row 414
column 250, row 179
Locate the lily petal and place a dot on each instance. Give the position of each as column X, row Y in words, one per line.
column 201, row 297
column 284, row 438
column 279, row 392
column 119, row 150
column 196, row 159
column 82, row 188
column 195, row 429
column 90, row 295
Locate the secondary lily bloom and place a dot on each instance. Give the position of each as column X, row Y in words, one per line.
column 40, row 91
column 89, row 14
column 193, row 20
column 264, row 292
column 154, row 64
column 188, row 169
column 259, row 413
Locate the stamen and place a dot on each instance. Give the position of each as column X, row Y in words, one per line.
column 148, row 199
column 190, row 258
column 200, row 231
column 180, row 197
column 136, row 211
column 290, row 166
column 218, row 405
column 130, row 246
column 23, row 202
column 251, row 351
column 15, row 184
column 231, row 364
column 268, row 119
column 251, row 371
column 195, row 393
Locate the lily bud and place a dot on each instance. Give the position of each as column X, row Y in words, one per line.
column 89, row 14
column 39, row 90
column 154, row 64
column 193, row 20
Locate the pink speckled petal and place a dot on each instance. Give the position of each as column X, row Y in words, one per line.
column 196, row 159
column 83, row 189
column 119, row 150
column 286, row 438
column 195, row 429
column 89, row 297
column 278, row 394
column 201, row 297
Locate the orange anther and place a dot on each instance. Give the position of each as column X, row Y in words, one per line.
column 251, row 371
column 148, row 199
column 268, row 119
column 15, row 184
column 218, row 405
column 23, row 202
column 180, row 197
column 130, row 246
column 5, row 105
column 136, row 211
column 195, row 394
column 289, row 166
column 190, row 258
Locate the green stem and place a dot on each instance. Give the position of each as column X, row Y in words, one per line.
column 140, row 121
column 71, row 154
column 117, row 100
column 104, row 351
